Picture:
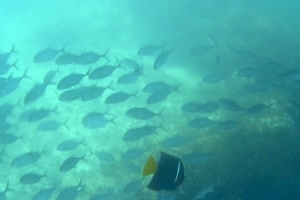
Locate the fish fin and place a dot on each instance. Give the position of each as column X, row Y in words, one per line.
column 150, row 166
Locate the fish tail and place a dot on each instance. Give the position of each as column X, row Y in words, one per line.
column 13, row 49
column 15, row 65
column 105, row 55
column 25, row 74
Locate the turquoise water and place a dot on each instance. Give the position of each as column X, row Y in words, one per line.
column 225, row 100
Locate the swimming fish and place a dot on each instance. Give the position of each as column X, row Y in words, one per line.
column 26, row 159
column 161, row 59
column 66, row 58
column 168, row 173
column 70, row 163
column 71, row 80
column 158, row 86
column 46, row 55
column 118, row 97
column 137, row 133
column 11, row 84
column 88, row 58
column 130, row 77
column 7, row 138
column 44, row 194
column 201, row 122
column 141, row 113
column 105, row 156
column 70, row 192
column 231, row 105
column 149, row 50
column 35, row 93
column 31, row 178
column 258, row 108
column 73, row 94
column 129, row 63
column 38, row 114
column 158, row 97
column 51, row 125
column 95, row 120
column 102, row 72
column 69, row 144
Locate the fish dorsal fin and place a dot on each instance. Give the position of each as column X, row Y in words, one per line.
column 150, row 166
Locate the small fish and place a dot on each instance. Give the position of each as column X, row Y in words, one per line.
column 95, row 120
column 132, row 154
column 26, row 159
column 208, row 107
column 130, row 77
column 31, row 178
column 148, row 50
column 35, row 93
column 118, row 97
column 73, row 94
column 88, row 58
column 161, row 59
column 44, row 194
column 102, row 72
column 129, row 63
column 168, row 173
column 231, row 105
column 258, row 108
column 66, row 59
column 70, row 163
column 93, row 92
column 38, row 114
column 71, row 80
column 49, row 76
column 69, row 144
column 201, row 122
column 71, row 192
column 6, row 138
column 51, row 125
column 132, row 187
column 105, row 156
column 46, row 55
column 11, row 84
column 158, row 86
column 158, row 97
column 191, row 107
column 137, row 133
column 141, row 113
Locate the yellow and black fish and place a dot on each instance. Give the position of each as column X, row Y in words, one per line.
column 168, row 173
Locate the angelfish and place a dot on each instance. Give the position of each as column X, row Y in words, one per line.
column 168, row 174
